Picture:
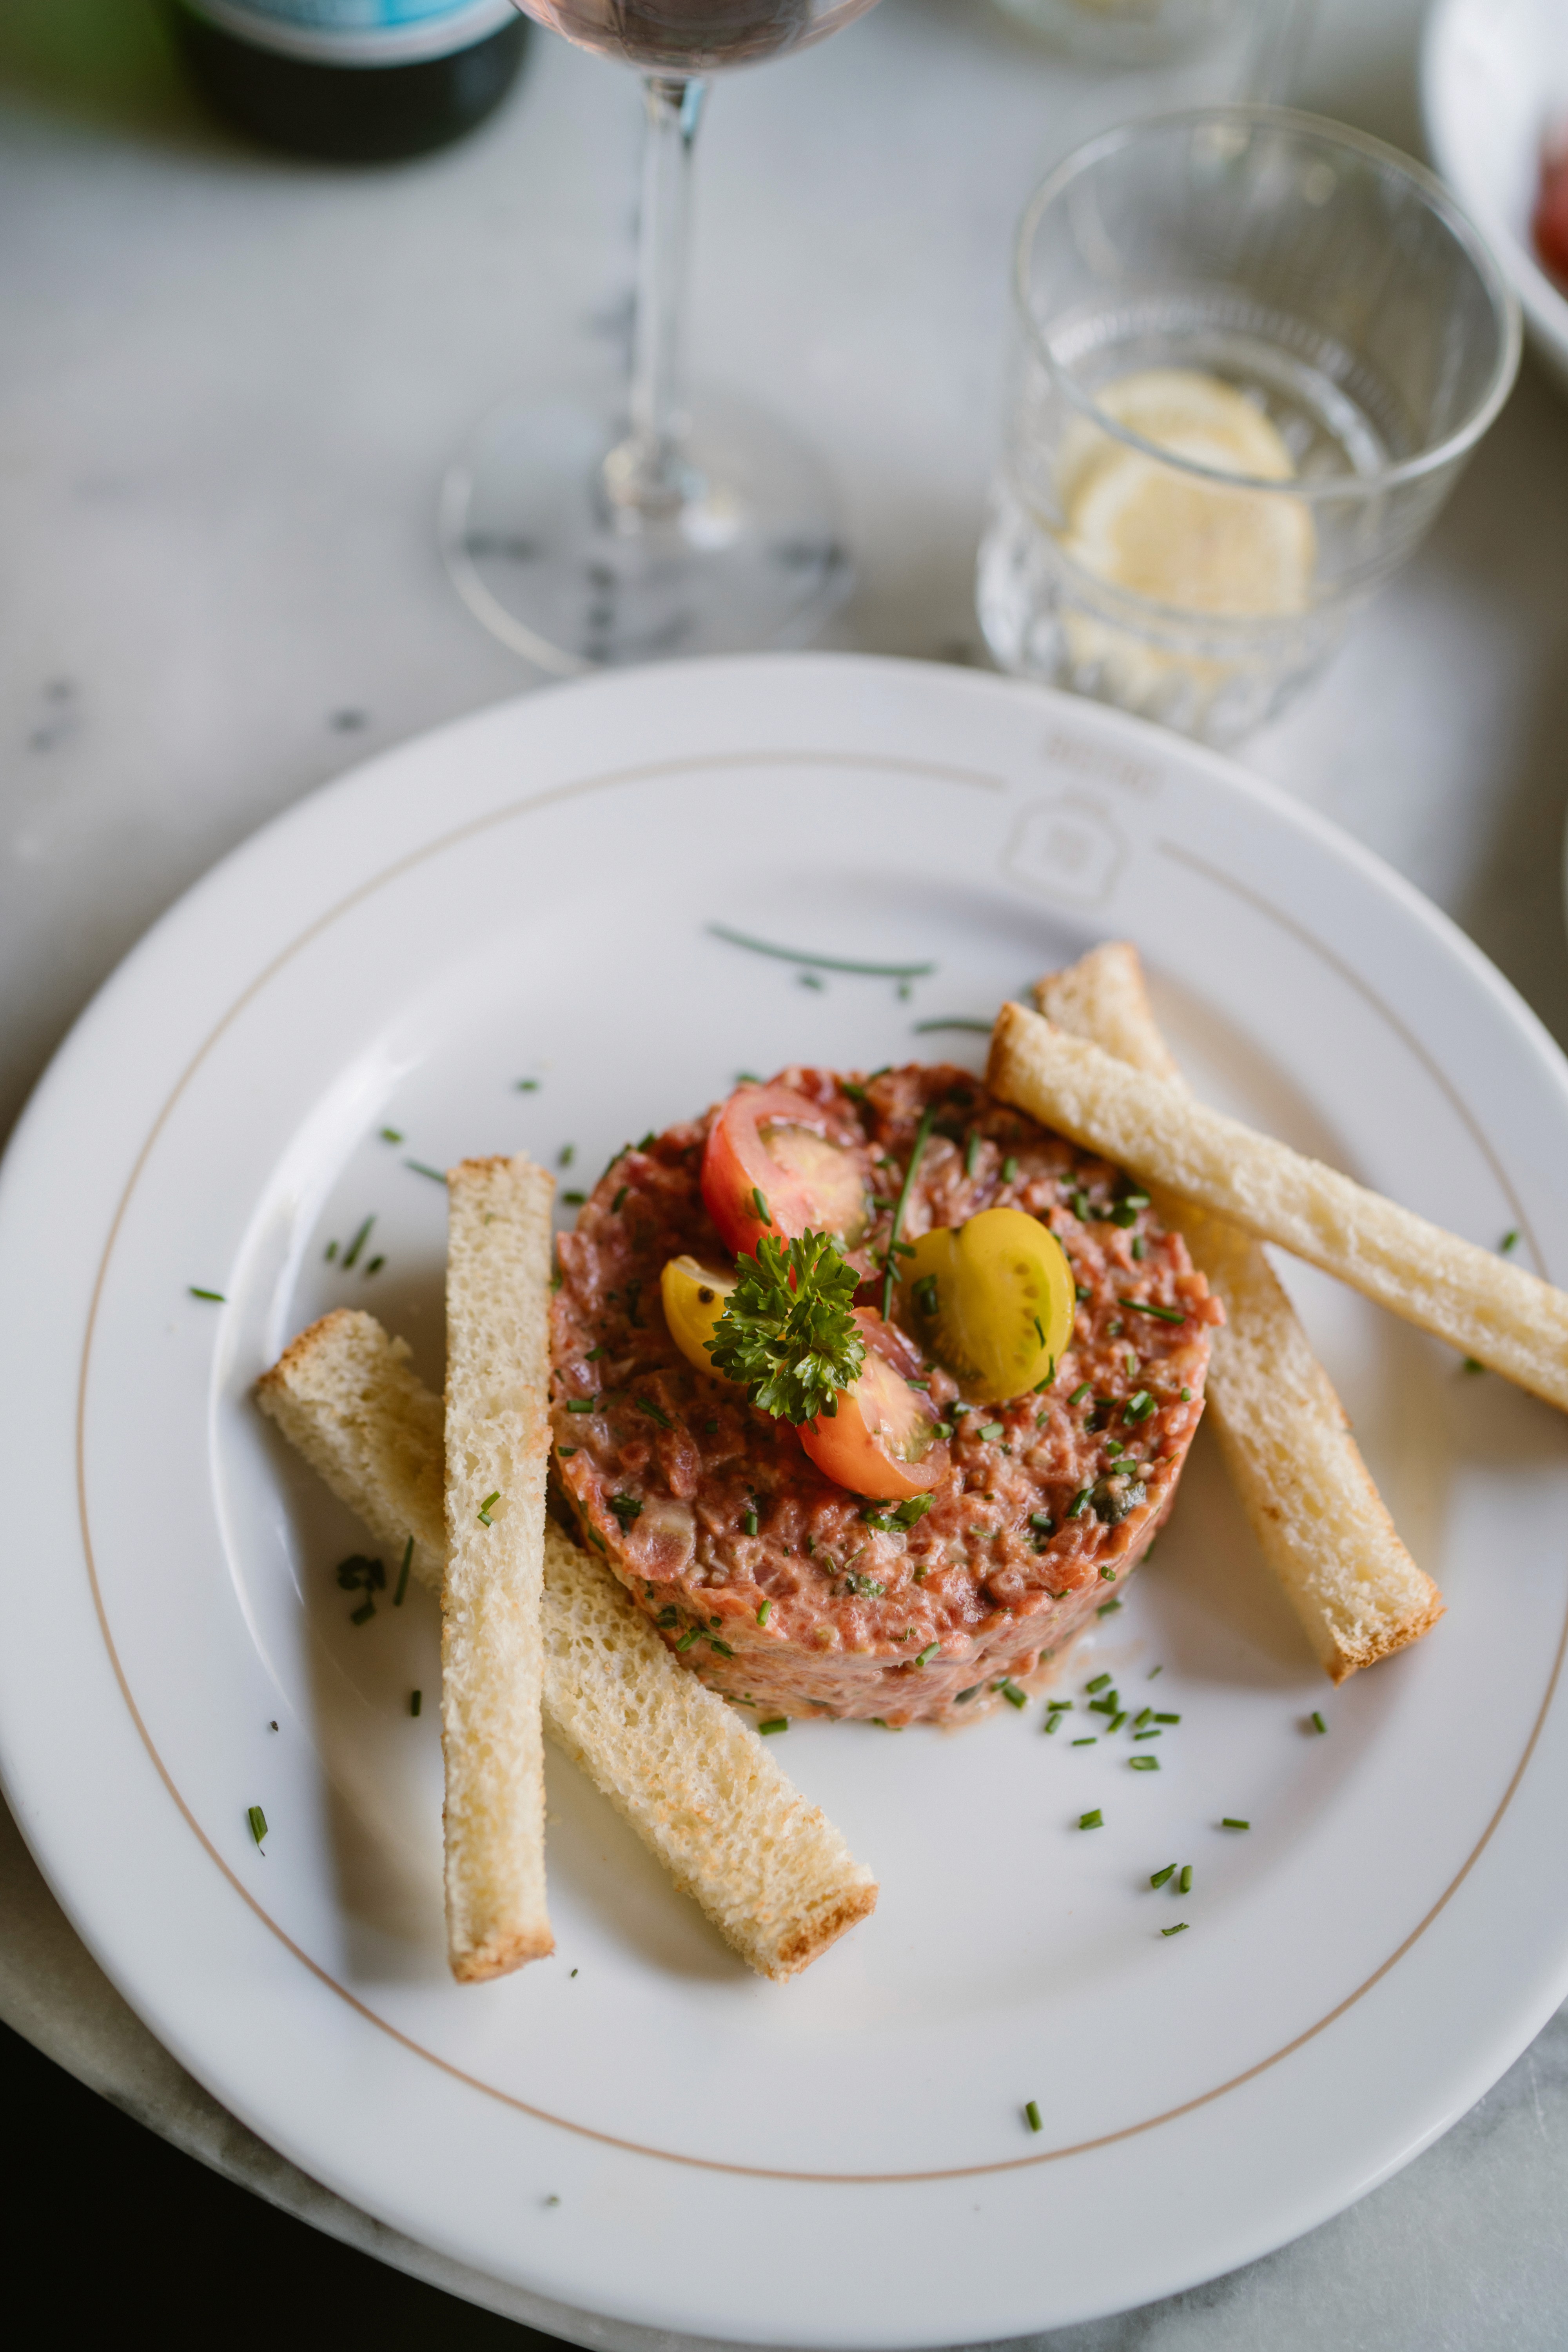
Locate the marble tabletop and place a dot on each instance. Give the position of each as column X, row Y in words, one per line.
column 228, row 387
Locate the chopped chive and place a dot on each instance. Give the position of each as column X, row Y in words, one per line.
column 215, row 1296
column 420, row 1168
column 331, row 1252
column 258, row 1821
column 487, row 1505
column 358, row 1243
column 1140, row 1248
column 653, row 1413
column 582, row 1404
column 1318, row 1723
column 775, row 1723
column 1089, row 1742
column 1010, row 1170
column 1186, row 1396
column 403, row 1573
column 1229, row 1824
column 375, row 1266
column 1076, row 1507
column 1059, row 1706
column 1144, row 1763
column 1179, row 1929
column 916, row 1149
column 1012, row 1694
column 528, row 1086
column 1150, row 1674
column 972, row 1151
column 989, row 1432
column 760, row 1206
column 1079, row 1395
column 1185, row 1884
column 1052, row 1721
column 565, row 1156
column 822, row 962
column 415, row 1701
column 1143, row 1735
column 1138, row 1408
column 391, row 1135
column 927, row 1653
column 1161, row 1875
column 1032, row 2117
column 1095, row 1821
column 573, row 1200
column 1168, row 1718
column 1098, row 1684
column 764, row 1610
column 1146, row 1715
column 1108, row 1575
column 1472, row 1364
column 1510, row 1241
column 1164, row 1314
column 1117, row 1721
column 963, row 1698
column 749, row 1522
column 615, row 1203
column 1106, row 1606
column 687, row 1639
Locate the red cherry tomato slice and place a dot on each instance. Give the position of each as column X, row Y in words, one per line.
column 769, row 1169
column 881, row 1442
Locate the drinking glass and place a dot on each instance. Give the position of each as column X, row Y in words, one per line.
column 1252, row 352
column 668, row 526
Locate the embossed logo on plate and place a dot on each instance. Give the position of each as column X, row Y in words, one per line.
column 1070, row 847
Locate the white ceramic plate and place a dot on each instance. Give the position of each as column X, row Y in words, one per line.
column 1494, row 88
column 638, row 2133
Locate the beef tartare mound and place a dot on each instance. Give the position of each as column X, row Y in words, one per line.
column 785, row 1590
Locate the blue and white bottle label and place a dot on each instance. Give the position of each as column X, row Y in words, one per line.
column 358, row 32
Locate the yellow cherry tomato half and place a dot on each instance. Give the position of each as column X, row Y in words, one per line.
column 993, row 1300
column 694, row 1299
column 881, row 1442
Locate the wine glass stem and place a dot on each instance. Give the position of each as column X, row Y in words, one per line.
column 644, row 476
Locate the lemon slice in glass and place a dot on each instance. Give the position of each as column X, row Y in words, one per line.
column 1194, row 546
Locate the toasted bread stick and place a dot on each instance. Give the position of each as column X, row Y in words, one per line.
column 1317, row 1514
column 693, row 1781
column 1494, row 1312
column 492, row 1654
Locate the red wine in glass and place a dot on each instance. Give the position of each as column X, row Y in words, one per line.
column 680, row 37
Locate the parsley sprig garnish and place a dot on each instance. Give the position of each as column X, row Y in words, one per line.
column 787, row 1334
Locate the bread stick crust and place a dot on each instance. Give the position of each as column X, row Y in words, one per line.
column 693, row 1781
column 1494, row 1312
column 1311, row 1501
column 497, row 1451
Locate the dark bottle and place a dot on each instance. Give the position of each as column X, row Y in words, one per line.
column 352, row 81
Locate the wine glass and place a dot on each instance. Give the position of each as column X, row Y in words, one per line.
column 674, row 525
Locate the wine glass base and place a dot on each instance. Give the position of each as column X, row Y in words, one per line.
column 753, row 556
